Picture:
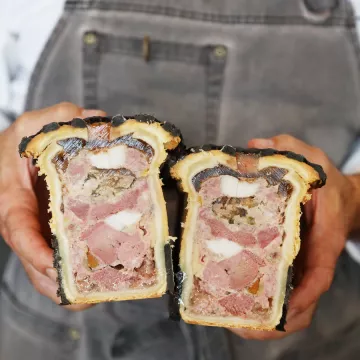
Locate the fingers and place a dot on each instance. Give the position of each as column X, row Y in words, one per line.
column 79, row 307
column 258, row 334
column 47, row 286
column 318, row 267
column 42, row 283
column 314, row 283
column 31, row 122
column 281, row 142
column 19, row 214
column 302, row 320
column 294, row 323
column 289, row 143
column 319, row 252
column 318, row 259
column 19, row 169
column 88, row 113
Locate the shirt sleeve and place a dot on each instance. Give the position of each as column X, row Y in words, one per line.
column 4, row 82
column 25, row 27
column 352, row 166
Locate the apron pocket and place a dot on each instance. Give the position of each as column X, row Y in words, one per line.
column 177, row 82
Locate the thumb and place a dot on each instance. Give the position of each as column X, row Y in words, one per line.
column 284, row 143
column 31, row 122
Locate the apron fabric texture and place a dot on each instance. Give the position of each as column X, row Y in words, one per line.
column 223, row 72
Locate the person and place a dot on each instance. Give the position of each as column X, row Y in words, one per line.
column 224, row 72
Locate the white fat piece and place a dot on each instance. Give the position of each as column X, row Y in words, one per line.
column 223, row 247
column 233, row 187
column 112, row 158
column 122, row 219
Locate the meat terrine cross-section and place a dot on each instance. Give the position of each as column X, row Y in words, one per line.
column 241, row 233
column 109, row 218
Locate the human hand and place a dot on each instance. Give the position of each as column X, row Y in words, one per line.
column 329, row 216
column 20, row 224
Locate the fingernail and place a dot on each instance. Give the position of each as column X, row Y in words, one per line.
column 92, row 112
column 52, row 274
column 262, row 143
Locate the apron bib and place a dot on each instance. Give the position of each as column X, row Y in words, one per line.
column 223, row 72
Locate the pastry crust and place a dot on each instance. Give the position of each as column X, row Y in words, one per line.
column 43, row 146
column 303, row 176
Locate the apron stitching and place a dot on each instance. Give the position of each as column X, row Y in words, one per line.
column 347, row 23
column 212, row 57
column 160, row 50
column 214, row 84
column 202, row 16
column 91, row 61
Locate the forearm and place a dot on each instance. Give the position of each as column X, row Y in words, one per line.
column 355, row 204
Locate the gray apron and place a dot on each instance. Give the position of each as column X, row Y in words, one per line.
column 224, row 72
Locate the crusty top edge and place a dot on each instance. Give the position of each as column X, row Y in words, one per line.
column 232, row 150
column 115, row 121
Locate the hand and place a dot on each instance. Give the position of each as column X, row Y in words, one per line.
column 329, row 217
column 20, row 224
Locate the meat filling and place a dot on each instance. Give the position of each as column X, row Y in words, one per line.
column 237, row 247
column 108, row 217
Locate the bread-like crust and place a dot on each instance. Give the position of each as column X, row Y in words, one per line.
column 32, row 146
column 301, row 171
column 43, row 146
column 316, row 174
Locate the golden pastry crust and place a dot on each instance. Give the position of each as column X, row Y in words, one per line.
column 44, row 145
column 303, row 175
